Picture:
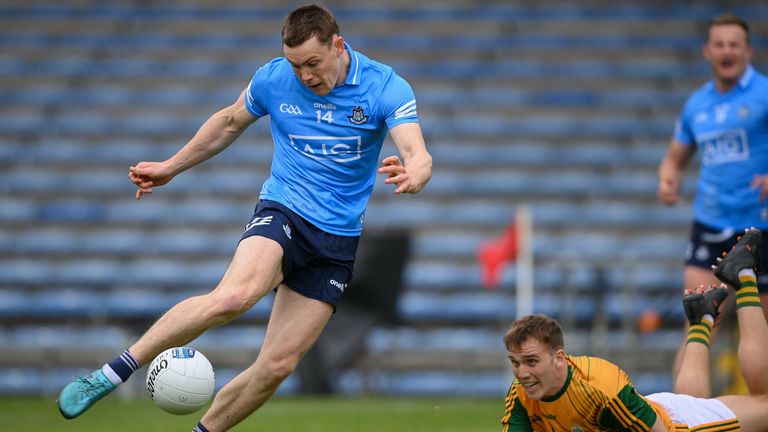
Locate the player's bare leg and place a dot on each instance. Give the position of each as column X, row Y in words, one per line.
column 701, row 309
column 751, row 410
column 693, row 278
column 738, row 269
column 293, row 328
column 253, row 272
column 753, row 348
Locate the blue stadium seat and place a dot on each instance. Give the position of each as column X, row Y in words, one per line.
column 94, row 271
column 620, row 305
column 118, row 242
column 655, row 246
column 648, row 277
column 63, row 303
column 230, row 337
column 134, row 303
column 195, row 210
column 478, row 306
column 166, row 272
column 21, row 123
column 79, row 210
column 447, row 244
column 424, row 383
column 99, row 181
column 21, row 381
column 436, row 339
column 193, row 242
column 441, row 275
column 62, row 336
column 14, row 303
column 45, row 241
column 21, row 271
column 32, row 181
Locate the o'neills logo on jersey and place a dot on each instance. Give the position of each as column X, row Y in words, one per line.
column 358, row 116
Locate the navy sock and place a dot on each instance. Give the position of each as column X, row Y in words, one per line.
column 199, row 428
column 122, row 367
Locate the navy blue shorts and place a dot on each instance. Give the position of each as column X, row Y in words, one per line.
column 708, row 243
column 316, row 264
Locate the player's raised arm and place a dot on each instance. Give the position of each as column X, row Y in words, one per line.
column 216, row 134
column 415, row 170
column 671, row 171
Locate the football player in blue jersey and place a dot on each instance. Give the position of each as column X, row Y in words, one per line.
column 330, row 108
column 726, row 120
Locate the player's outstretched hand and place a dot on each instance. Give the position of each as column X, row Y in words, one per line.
column 398, row 175
column 146, row 175
column 668, row 190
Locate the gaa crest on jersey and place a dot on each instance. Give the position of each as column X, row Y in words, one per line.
column 358, row 117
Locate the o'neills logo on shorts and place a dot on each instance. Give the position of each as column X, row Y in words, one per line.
column 339, row 285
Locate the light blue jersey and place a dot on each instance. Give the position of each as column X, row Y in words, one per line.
column 327, row 147
column 730, row 131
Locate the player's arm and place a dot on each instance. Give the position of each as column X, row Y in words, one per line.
column 415, row 170
column 216, row 134
column 671, row 170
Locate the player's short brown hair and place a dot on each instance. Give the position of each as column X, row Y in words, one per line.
column 540, row 327
column 308, row 21
column 728, row 19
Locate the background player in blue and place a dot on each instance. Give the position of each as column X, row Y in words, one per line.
column 727, row 121
column 330, row 109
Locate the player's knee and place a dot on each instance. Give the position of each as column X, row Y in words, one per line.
column 231, row 305
column 278, row 368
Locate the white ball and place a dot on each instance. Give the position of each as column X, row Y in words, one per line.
column 180, row 380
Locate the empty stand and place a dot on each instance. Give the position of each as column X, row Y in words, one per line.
column 564, row 107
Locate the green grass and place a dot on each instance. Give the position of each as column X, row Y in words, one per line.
column 278, row 415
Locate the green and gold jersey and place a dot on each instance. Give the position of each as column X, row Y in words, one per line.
column 597, row 396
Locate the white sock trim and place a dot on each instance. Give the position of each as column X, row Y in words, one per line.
column 747, row 272
column 113, row 377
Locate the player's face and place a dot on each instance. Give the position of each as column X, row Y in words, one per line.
column 540, row 371
column 728, row 52
column 317, row 65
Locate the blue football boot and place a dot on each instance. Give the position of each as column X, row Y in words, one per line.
column 83, row 392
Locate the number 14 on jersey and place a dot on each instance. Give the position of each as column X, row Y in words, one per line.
column 328, row 116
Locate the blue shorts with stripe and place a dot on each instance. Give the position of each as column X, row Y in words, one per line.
column 708, row 243
column 316, row 264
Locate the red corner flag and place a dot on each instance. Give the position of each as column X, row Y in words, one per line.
column 493, row 255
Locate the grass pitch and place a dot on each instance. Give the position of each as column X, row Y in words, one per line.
column 331, row 414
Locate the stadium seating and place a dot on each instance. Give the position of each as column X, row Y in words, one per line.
column 566, row 108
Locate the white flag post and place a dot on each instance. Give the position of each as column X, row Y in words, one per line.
column 524, row 271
